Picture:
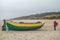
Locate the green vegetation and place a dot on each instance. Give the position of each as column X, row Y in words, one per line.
column 59, row 16
column 46, row 15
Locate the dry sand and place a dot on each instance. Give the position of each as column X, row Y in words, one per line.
column 30, row 35
column 45, row 33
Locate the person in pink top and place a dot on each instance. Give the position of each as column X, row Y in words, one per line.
column 55, row 24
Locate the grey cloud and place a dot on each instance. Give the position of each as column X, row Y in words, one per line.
column 16, row 8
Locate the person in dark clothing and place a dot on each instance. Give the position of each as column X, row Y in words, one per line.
column 55, row 24
column 4, row 26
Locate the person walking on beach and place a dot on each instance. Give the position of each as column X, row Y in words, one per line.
column 55, row 24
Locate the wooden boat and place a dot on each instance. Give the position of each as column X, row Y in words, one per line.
column 23, row 26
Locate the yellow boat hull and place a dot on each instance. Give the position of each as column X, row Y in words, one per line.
column 23, row 26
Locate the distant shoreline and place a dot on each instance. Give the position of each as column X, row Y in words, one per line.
column 37, row 19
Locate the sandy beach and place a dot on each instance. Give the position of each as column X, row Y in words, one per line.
column 45, row 33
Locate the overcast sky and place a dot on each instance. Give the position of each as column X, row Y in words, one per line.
column 17, row 8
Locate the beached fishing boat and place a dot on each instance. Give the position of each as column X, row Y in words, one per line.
column 23, row 26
